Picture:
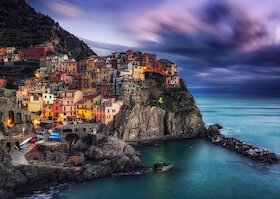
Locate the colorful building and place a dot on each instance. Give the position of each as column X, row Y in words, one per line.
column 173, row 81
column 107, row 110
column 35, row 104
column 36, row 52
column 3, row 82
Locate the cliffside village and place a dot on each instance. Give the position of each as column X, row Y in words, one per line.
column 67, row 91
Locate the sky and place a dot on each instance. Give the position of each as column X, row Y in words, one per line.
column 222, row 47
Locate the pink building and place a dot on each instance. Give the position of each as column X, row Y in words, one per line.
column 3, row 82
column 67, row 79
column 57, row 107
column 68, row 107
column 100, row 64
column 173, row 81
column 107, row 110
column 36, row 52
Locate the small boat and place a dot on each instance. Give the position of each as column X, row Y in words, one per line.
column 33, row 140
column 40, row 142
column 25, row 143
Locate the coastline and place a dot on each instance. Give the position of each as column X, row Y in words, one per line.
column 58, row 175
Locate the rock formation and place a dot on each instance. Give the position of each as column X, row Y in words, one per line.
column 176, row 115
column 117, row 158
column 110, row 147
column 22, row 26
column 255, row 153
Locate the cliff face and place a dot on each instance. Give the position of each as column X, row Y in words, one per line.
column 22, row 26
column 164, row 112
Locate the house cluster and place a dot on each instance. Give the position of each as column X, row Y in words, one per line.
column 9, row 55
column 92, row 89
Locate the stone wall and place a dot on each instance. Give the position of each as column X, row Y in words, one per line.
column 21, row 120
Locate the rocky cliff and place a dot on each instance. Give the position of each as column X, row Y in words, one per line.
column 21, row 26
column 117, row 158
column 165, row 112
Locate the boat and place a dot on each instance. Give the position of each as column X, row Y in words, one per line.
column 25, row 143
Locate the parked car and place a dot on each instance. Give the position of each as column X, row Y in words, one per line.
column 55, row 136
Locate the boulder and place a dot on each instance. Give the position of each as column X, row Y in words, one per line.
column 109, row 148
column 159, row 167
column 76, row 160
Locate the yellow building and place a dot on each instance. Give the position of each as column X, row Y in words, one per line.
column 86, row 108
column 90, row 63
column 35, row 105
column 71, row 67
column 138, row 72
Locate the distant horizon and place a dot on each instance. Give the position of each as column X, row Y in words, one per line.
column 222, row 48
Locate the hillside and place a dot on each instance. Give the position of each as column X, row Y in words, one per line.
column 21, row 26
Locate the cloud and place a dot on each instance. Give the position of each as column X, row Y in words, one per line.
column 220, row 34
column 65, row 9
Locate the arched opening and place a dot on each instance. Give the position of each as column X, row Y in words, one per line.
column 12, row 116
column 72, row 138
column 18, row 118
column 8, row 147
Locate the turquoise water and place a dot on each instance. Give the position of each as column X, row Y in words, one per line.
column 202, row 170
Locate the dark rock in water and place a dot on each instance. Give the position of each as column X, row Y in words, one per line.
column 218, row 126
column 158, row 167
column 255, row 153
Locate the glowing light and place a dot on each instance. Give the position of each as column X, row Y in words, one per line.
column 160, row 100
column 37, row 75
column 60, row 118
column 36, row 122
column 9, row 123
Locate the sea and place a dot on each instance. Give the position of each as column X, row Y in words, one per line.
column 201, row 170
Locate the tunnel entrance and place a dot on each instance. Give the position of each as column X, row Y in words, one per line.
column 72, row 138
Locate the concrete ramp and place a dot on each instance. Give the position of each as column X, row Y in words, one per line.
column 18, row 157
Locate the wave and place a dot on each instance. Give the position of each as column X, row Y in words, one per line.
column 227, row 131
column 49, row 194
